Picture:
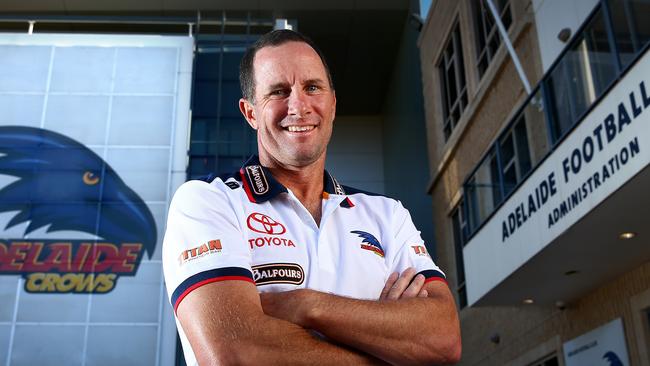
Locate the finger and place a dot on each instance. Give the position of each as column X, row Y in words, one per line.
column 423, row 293
column 414, row 287
column 389, row 283
column 401, row 284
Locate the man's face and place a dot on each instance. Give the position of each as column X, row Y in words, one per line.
column 294, row 105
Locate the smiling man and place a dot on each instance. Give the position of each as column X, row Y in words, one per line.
column 280, row 264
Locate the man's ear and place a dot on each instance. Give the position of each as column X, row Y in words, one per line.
column 246, row 109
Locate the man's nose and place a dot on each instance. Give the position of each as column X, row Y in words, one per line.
column 298, row 104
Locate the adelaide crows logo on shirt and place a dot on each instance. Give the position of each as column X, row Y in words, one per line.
column 68, row 223
column 369, row 242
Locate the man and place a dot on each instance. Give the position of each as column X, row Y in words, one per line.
column 279, row 263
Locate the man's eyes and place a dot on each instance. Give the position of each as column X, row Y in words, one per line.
column 279, row 92
column 312, row 88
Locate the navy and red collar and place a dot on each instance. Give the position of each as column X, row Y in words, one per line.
column 261, row 186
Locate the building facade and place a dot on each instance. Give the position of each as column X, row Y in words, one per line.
column 106, row 108
column 539, row 163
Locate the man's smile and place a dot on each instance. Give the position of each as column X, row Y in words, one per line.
column 300, row 128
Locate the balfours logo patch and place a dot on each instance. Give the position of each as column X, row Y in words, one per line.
column 257, row 179
column 290, row 273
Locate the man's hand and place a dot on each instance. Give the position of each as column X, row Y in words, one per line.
column 404, row 286
column 288, row 305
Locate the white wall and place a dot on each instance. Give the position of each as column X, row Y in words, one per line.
column 551, row 16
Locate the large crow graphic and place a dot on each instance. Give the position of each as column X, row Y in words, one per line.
column 63, row 185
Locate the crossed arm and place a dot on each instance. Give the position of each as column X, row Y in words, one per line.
column 412, row 323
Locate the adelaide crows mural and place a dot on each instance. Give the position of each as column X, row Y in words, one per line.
column 60, row 186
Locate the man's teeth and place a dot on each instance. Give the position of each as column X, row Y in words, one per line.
column 300, row 128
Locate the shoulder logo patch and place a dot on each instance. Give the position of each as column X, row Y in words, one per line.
column 257, row 179
column 266, row 274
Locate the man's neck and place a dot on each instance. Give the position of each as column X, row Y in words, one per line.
column 305, row 182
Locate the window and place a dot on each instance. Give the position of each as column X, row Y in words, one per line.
column 581, row 75
column 452, row 81
column 487, row 33
column 459, row 224
column 221, row 140
column 515, row 155
column 631, row 27
column 547, row 361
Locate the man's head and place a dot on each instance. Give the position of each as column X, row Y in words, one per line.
column 291, row 103
column 272, row 39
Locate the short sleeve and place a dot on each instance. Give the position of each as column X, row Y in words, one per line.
column 410, row 249
column 203, row 241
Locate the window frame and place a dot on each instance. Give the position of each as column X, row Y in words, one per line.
column 451, row 60
column 486, row 31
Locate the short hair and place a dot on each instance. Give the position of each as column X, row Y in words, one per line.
column 274, row 38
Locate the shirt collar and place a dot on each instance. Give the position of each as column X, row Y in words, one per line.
column 261, row 186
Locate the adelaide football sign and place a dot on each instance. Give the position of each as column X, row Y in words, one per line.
column 60, row 186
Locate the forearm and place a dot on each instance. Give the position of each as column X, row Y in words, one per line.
column 225, row 325
column 277, row 342
column 406, row 331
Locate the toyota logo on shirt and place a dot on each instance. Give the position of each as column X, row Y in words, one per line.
column 261, row 223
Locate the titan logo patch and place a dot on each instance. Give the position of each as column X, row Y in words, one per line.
column 271, row 273
column 213, row 246
column 109, row 228
column 263, row 224
column 257, row 178
column 369, row 242
column 420, row 250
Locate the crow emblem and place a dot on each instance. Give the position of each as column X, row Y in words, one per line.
column 59, row 185
column 369, row 242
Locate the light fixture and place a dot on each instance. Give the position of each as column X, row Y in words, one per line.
column 564, row 35
column 627, row 235
column 528, row 301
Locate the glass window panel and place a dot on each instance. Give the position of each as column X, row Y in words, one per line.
column 483, row 189
column 581, row 75
column 144, row 286
column 536, row 122
column 140, row 120
column 452, row 75
column 81, row 117
column 206, row 94
column 145, row 70
column 24, row 68
column 451, row 84
column 8, row 286
column 122, row 345
column 204, row 130
column 487, row 35
column 141, row 168
column 82, row 69
column 5, row 333
column 60, row 308
column 631, row 19
column 202, row 165
column 509, row 179
column 523, row 153
column 21, row 110
column 507, row 150
column 204, row 148
column 48, row 345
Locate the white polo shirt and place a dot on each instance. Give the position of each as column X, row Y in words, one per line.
column 249, row 227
